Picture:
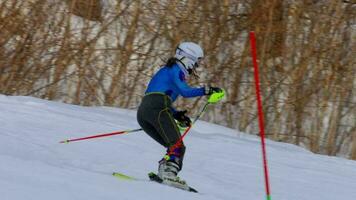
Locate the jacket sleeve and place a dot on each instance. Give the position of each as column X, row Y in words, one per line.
column 183, row 87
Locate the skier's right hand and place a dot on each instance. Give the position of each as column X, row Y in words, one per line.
column 182, row 118
column 209, row 90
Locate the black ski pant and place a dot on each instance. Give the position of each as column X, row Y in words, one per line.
column 155, row 117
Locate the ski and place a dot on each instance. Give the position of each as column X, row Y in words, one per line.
column 124, row 176
column 154, row 177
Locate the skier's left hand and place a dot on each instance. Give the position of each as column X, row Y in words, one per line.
column 182, row 118
column 209, row 90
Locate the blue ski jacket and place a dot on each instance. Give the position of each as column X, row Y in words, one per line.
column 172, row 82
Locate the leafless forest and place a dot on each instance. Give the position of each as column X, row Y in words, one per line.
column 103, row 52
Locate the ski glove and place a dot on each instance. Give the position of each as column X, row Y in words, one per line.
column 182, row 119
column 209, row 90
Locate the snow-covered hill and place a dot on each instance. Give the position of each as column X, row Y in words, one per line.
column 220, row 162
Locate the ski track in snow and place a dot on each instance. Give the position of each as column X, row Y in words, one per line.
column 221, row 163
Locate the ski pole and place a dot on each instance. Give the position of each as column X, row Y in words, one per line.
column 196, row 119
column 179, row 142
column 101, row 135
column 214, row 98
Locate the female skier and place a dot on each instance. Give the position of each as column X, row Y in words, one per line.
column 156, row 114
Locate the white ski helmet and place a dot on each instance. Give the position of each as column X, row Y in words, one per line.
column 189, row 54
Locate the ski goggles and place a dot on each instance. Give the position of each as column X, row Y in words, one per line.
column 199, row 62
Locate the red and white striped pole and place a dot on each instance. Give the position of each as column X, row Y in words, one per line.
column 260, row 112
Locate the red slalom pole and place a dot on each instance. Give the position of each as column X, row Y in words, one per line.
column 100, row 135
column 260, row 111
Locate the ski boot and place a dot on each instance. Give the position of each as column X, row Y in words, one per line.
column 168, row 171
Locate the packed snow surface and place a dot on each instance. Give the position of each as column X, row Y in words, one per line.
column 220, row 163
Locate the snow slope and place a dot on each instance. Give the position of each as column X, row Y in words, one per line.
column 220, row 162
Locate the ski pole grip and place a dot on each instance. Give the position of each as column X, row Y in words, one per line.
column 216, row 97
